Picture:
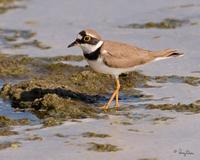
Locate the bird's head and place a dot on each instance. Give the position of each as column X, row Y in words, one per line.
column 88, row 40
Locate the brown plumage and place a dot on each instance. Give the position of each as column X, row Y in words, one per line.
column 93, row 33
column 121, row 55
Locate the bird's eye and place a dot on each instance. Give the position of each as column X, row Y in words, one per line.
column 87, row 38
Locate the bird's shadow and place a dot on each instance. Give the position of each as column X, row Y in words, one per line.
column 35, row 93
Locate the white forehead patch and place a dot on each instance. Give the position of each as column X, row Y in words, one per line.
column 79, row 36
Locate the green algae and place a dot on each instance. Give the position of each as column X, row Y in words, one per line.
column 192, row 107
column 33, row 43
column 6, row 1
column 80, row 79
column 6, row 145
column 103, row 147
column 190, row 80
column 54, row 109
column 7, row 132
column 12, row 35
column 23, row 66
column 162, row 118
column 168, row 23
column 6, row 5
column 61, row 68
column 62, row 97
column 134, row 130
column 50, row 121
column 13, row 66
column 60, row 135
column 62, row 108
column 95, row 135
column 6, row 122
column 92, row 82
column 21, row 38
column 126, row 123
column 34, row 138
column 76, row 58
column 56, row 92
column 148, row 159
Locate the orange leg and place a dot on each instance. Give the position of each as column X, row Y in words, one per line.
column 115, row 94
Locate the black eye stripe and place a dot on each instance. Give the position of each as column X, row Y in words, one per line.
column 93, row 40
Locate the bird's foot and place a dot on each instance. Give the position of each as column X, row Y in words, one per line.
column 117, row 107
column 105, row 108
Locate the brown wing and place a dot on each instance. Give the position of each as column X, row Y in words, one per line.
column 120, row 55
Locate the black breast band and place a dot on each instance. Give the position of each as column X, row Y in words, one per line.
column 94, row 55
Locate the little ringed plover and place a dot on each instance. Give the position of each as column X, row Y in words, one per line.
column 114, row 58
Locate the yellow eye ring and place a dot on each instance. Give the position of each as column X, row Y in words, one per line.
column 87, row 38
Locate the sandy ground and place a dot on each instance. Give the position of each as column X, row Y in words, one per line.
column 142, row 138
column 58, row 22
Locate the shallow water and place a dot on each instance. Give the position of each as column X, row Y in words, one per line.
column 7, row 110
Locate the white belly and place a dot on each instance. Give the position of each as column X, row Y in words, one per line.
column 99, row 66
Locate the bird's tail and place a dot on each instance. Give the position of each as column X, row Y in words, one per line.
column 167, row 53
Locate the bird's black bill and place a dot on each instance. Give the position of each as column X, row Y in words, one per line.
column 72, row 44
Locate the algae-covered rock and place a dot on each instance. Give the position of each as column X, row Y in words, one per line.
column 7, row 132
column 54, row 109
column 6, row 90
column 194, row 81
column 62, row 108
column 50, row 121
column 12, row 35
column 73, row 58
column 6, row 5
column 13, row 145
column 168, row 23
column 192, row 107
column 13, row 66
column 92, row 82
column 55, row 91
column 148, row 159
column 76, row 58
column 34, row 138
column 6, row 122
column 95, row 135
column 103, row 147
column 33, row 43
column 23, row 66
column 13, row 39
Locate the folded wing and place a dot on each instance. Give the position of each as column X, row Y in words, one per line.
column 120, row 55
